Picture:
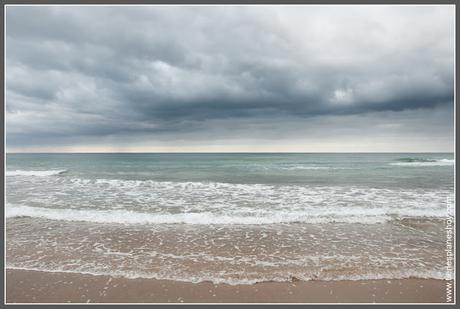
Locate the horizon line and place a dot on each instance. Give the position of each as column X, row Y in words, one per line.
column 233, row 152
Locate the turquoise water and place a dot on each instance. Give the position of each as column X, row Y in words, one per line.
column 374, row 170
column 235, row 218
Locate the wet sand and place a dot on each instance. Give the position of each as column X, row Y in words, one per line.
column 48, row 287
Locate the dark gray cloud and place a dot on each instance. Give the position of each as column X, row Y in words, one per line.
column 81, row 74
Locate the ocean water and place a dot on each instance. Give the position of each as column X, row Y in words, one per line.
column 230, row 218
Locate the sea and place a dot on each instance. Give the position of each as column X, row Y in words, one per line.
column 234, row 218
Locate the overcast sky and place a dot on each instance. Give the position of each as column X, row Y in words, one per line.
column 244, row 78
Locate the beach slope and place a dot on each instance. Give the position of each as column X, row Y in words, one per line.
column 24, row 286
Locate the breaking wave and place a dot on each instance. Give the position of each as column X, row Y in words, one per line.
column 195, row 278
column 255, row 217
column 415, row 162
column 35, row 173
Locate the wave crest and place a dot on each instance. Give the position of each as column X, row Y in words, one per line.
column 35, row 173
column 257, row 217
column 420, row 162
column 388, row 275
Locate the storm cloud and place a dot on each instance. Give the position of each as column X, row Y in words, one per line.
column 142, row 77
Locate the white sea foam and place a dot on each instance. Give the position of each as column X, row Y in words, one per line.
column 254, row 217
column 156, row 202
column 35, row 173
column 216, row 279
column 225, row 232
column 422, row 163
column 148, row 201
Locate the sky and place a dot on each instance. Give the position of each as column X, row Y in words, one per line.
column 230, row 78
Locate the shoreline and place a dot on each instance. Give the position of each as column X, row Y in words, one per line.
column 30, row 286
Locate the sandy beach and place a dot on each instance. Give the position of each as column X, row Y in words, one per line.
column 230, row 154
column 46, row 287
